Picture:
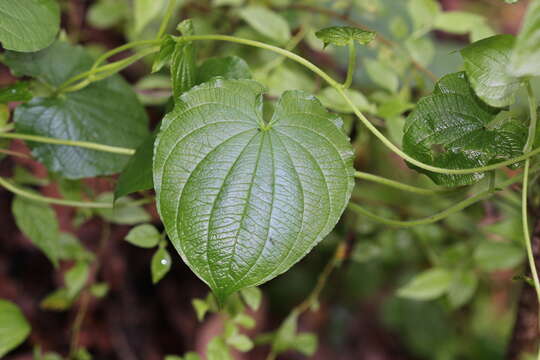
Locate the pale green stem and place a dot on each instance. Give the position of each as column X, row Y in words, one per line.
column 351, row 66
column 32, row 196
column 315, row 69
column 166, row 19
column 436, row 217
column 83, row 144
column 524, row 193
column 400, row 185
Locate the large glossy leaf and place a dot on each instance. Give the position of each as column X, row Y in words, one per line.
column 243, row 199
column 452, row 128
column 486, row 63
column 28, row 25
column 14, row 327
column 37, row 221
column 526, row 56
column 106, row 112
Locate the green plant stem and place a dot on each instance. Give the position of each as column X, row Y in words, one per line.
column 315, row 69
column 166, row 19
column 436, row 217
column 351, row 66
column 399, row 185
column 524, row 194
column 103, row 72
column 40, row 198
column 83, row 144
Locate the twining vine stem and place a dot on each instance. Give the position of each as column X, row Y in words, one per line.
column 524, row 193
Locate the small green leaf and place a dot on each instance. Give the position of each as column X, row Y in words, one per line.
column 525, row 58
column 462, row 289
column 240, row 342
column 452, row 128
column 183, row 62
column 491, row 255
column 16, row 92
column 14, row 328
column 459, row 22
column 57, row 301
column 124, row 212
column 286, row 334
column 244, row 320
column 76, row 277
column 218, row 350
column 267, row 23
column 145, row 236
column 382, row 75
column 306, row 343
column 423, row 14
column 277, row 188
column 252, row 296
column 165, row 54
column 486, row 63
column 161, row 264
column 144, row 12
column 29, row 25
column 428, row 285
column 70, row 248
column 343, row 35
column 201, row 308
column 106, row 112
column 137, row 175
column 99, row 290
column 229, row 67
column 104, row 14
column 332, row 100
column 38, row 222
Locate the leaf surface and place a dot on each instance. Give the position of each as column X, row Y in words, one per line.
column 342, row 35
column 28, row 25
column 243, row 199
column 14, row 327
column 267, row 23
column 452, row 128
column 526, row 56
column 228, row 67
column 486, row 64
column 106, row 112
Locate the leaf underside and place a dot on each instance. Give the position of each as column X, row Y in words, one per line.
column 243, row 200
column 452, row 128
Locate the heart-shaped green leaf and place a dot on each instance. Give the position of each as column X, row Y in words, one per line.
column 486, row 63
column 28, row 25
column 452, row 128
column 243, row 199
column 343, row 35
column 106, row 112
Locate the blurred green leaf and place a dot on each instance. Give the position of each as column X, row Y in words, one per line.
column 330, row 98
column 267, row 23
column 423, row 14
column 16, row 92
column 525, row 58
column 58, row 300
column 161, row 264
column 343, row 35
column 382, row 75
column 306, row 343
column 240, row 342
column 104, row 14
column 491, row 255
column 145, row 236
column 124, row 212
column 201, row 308
column 427, row 285
column 14, row 328
column 252, row 296
column 462, row 288
column 99, row 290
column 76, row 277
column 218, row 350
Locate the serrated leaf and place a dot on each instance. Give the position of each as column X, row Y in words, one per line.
column 525, row 58
column 37, row 221
column 161, row 264
column 145, row 236
column 452, row 128
column 14, row 328
column 343, row 35
column 427, row 285
column 228, row 67
column 491, row 255
column 243, row 200
column 137, row 175
column 16, row 92
column 486, row 63
column 267, row 23
column 106, row 112
column 28, row 25
column 76, row 277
